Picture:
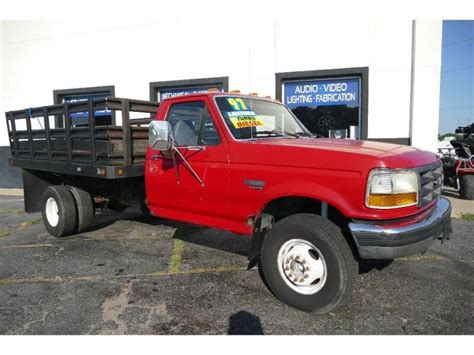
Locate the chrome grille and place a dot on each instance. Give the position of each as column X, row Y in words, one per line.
column 431, row 183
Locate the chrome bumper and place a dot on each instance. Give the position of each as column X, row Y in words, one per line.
column 380, row 240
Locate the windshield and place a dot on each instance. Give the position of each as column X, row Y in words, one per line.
column 249, row 118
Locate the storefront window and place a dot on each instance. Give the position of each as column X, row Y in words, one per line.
column 162, row 90
column 102, row 117
column 327, row 107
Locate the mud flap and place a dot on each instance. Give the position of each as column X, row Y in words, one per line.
column 34, row 184
column 262, row 225
column 447, row 231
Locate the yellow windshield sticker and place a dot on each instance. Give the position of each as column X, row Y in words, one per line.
column 237, row 103
column 241, row 114
column 245, row 121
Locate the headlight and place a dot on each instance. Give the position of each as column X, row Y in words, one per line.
column 388, row 188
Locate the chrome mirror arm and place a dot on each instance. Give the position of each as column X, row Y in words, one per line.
column 187, row 165
column 174, row 148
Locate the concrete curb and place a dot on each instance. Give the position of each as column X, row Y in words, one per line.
column 11, row 192
column 458, row 205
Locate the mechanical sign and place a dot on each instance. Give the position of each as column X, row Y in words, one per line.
column 166, row 93
column 329, row 92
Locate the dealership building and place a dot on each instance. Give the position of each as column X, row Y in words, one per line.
column 348, row 79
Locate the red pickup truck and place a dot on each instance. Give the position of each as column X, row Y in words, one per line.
column 313, row 206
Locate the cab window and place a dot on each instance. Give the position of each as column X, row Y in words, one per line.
column 192, row 124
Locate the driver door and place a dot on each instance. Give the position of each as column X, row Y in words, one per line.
column 198, row 193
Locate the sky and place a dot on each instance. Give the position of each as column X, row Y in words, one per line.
column 457, row 76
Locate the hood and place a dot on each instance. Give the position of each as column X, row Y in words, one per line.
column 319, row 151
column 352, row 146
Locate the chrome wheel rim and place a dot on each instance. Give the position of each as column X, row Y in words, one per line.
column 52, row 212
column 302, row 266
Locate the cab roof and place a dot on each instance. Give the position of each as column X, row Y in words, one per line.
column 212, row 94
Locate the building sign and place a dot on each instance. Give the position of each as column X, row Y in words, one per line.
column 82, row 117
column 327, row 92
column 173, row 92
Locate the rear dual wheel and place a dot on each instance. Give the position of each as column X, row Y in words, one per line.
column 85, row 208
column 66, row 210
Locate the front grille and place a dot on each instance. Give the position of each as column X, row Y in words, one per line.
column 431, row 183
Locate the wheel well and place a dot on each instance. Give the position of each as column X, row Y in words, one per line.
column 287, row 206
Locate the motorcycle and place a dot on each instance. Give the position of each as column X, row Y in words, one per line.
column 458, row 170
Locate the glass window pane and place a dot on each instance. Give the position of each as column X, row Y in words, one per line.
column 209, row 132
column 249, row 118
column 327, row 107
column 185, row 119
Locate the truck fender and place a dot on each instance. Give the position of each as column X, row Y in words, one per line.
column 310, row 190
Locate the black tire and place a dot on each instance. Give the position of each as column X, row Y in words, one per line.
column 341, row 265
column 85, row 209
column 466, row 187
column 67, row 211
column 326, row 123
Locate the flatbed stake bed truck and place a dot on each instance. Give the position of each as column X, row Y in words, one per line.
column 314, row 207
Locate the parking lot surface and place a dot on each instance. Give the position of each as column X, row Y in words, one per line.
column 136, row 275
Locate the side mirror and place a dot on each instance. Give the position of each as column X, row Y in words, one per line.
column 160, row 135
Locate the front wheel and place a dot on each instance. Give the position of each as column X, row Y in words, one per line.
column 308, row 264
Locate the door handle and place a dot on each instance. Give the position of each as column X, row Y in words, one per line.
column 196, row 147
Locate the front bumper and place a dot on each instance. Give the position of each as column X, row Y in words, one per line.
column 392, row 239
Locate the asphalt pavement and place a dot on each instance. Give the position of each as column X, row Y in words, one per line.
column 136, row 275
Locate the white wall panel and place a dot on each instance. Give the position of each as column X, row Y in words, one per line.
column 38, row 57
column 427, row 85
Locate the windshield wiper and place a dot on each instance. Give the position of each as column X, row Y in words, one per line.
column 305, row 134
column 309, row 135
column 275, row 133
column 267, row 133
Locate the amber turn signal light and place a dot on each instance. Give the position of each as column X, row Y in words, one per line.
column 392, row 200
column 119, row 171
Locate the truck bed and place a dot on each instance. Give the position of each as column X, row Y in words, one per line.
column 105, row 151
